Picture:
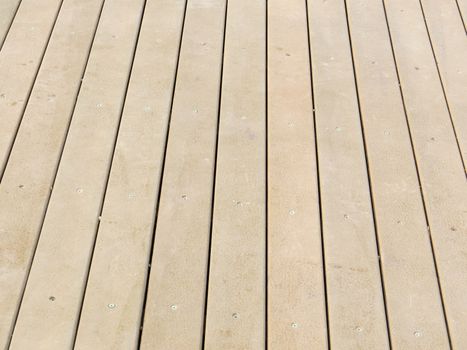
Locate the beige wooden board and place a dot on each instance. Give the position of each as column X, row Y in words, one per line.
column 355, row 299
column 462, row 6
column 113, row 303
column 237, row 285
column 29, row 175
column 416, row 319
column 449, row 42
column 52, row 299
column 7, row 13
column 174, row 317
column 296, row 300
column 441, row 172
column 20, row 58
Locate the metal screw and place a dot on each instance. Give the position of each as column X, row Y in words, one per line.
column 294, row 325
column 292, row 212
column 235, row 315
column 111, row 306
column 359, row 329
column 417, row 334
column 173, row 307
column 79, row 190
column 52, row 298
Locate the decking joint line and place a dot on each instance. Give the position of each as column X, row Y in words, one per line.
column 422, row 195
column 11, row 23
column 54, row 178
column 318, row 179
column 370, row 182
column 112, row 156
column 266, row 192
column 28, row 95
column 158, row 199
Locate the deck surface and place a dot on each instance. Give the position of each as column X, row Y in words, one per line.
column 233, row 174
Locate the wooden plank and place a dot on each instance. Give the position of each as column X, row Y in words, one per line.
column 113, row 303
column 174, row 317
column 296, row 300
column 7, row 13
column 355, row 299
column 415, row 312
column 52, row 299
column 447, row 35
column 441, row 172
column 27, row 180
column 20, row 59
column 462, row 7
column 237, row 283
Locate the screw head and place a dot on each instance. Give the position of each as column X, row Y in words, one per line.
column 111, row 306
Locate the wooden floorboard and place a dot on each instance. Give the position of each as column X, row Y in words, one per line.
column 356, row 305
column 296, row 298
column 8, row 10
column 112, row 309
column 174, row 315
column 29, row 177
column 20, row 59
column 235, row 313
column 74, row 208
column 448, row 42
column 407, row 257
column 439, row 160
column 233, row 174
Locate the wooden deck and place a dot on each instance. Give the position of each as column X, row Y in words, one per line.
column 233, row 174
